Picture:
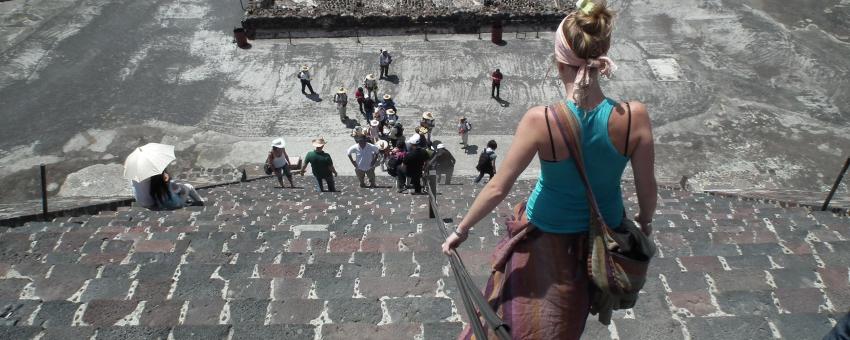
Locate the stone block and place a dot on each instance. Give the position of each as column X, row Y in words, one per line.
column 411, row 309
column 355, row 311
column 250, row 311
column 249, row 289
column 56, row 314
column 161, row 313
column 346, row 331
column 441, row 330
column 106, row 289
column 740, row 327
column 107, row 312
column 204, row 312
column 803, row 300
column 201, row 332
column 296, row 311
column 68, row 333
column 758, row 303
column 273, row 332
column 133, row 332
column 198, row 289
column 698, row 303
column 740, row 280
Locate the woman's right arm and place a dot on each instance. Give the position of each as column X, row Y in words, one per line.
column 643, row 166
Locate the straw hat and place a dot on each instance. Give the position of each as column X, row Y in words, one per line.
column 441, row 146
column 340, row 90
column 422, row 130
column 391, row 112
column 319, row 142
column 383, row 145
column 370, row 76
column 305, row 68
column 462, row 119
column 428, row 115
column 374, row 122
column 388, row 96
column 413, row 139
column 278, row 143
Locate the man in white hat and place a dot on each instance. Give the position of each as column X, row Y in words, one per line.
column 384, row 60
column 443, row 162
column 383, row 154
column 341, row 100
column 388, row 102
column 371, row 86
column 364, row 160
column 428, row 123
column 374, row 130
column 304, row 76
column 323, row 165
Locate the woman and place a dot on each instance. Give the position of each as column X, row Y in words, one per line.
column 168, row 194
column 547, row 298
column 278, row 161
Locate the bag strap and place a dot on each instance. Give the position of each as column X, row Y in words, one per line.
column 572, row 135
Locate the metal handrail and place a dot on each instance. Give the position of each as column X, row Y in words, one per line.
column 471, row 295
column 835, row 185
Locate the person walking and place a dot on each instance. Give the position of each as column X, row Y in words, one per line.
column 443, row 163
column 384, row 60
column 278, row 163
column 388, row 102
column 487, row 162
column 396, row 133
column 415, row 162
column 341, row 100
column 323, row 166
column 305, row 78
column 371, row 86
column 364, row 160
column 383, row 154
column 358, row 94
column 463, row 128
column 497, row 83
column 547, row 270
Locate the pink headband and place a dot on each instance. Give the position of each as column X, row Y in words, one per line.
column 565, row 55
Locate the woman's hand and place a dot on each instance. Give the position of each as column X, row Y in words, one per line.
column 645, row 227
column 453, row 241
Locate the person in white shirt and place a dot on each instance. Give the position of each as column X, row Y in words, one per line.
column 371, row 86
column 278, row 162
column 341, row 100
column 364, row 160
column 305, row 78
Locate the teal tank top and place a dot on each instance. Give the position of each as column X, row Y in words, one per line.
column 558, row 203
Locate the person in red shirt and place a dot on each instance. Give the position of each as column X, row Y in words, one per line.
column 497, row 82
column 359, row 96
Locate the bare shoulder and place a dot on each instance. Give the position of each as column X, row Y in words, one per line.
column 639, row 113
column 534, row 114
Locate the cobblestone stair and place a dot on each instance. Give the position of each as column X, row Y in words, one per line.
column 260, row 262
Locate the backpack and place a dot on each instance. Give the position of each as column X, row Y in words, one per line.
column 393, row 163
column 484, row 164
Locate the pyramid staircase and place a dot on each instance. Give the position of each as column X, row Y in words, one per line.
column 260, row 262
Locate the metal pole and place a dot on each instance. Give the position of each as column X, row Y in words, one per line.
column 479, row 33
column 241, row 4
column 290, row 37
column 426, row 33
column 357, row 34
column 43, row 190
column 835, row 185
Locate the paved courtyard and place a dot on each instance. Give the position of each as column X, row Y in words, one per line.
column 749, row 95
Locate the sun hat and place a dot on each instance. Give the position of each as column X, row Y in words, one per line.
column 462, row 119
column 441, row 146
column 422, row 130
column 305, row 68
column 374, row 122
column 370, row 76
column 391, row 112
column 278, row 143
column 428, row 115
column 383, row 145
column 340, row 90
column 387, row 96
column 319, row 142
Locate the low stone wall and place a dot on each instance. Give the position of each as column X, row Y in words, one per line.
column 353, row 18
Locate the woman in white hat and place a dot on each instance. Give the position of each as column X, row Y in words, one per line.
column 374, row 130
column 341, row 100
column 428, row 123
column 305, row 78
column 278, row 162
column 371, row 86
column 384, row 154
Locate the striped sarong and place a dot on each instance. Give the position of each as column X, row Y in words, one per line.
column 539, row 285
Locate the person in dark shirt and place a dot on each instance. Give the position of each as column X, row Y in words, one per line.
column 497, row 84
column 443, row 162
column 414, row 163
column 323, row 165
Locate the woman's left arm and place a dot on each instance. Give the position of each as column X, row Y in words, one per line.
column 522, row 151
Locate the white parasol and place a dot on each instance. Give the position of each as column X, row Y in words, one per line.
column 147, row 161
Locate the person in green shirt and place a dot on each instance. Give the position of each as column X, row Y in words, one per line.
column 323, row 165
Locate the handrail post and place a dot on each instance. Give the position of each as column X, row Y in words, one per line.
column 835, row 185
column 432, row 186
column 43, row 190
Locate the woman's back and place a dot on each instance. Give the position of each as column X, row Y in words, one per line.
column 558, row 203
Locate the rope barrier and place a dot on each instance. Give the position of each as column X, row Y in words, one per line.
column 472, row 297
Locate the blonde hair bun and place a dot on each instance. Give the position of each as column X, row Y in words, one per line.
column 589, row 33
